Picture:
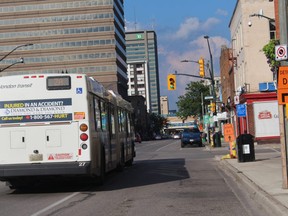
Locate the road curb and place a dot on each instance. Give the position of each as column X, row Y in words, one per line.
column 271, row 205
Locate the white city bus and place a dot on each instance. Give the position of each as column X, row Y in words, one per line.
column 61, row 125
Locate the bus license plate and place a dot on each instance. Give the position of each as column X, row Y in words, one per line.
column 36, row 157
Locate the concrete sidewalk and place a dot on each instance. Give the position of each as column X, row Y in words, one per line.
column 262, row 177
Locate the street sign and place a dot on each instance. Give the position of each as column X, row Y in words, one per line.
column 241, row 110
column 208, row 97
column 282, row 89
column 283, row 77
column 229, row 133
column 206, row 119
column 281, row 52
column 282, row 95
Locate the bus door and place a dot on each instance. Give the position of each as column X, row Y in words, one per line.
column 106, row 128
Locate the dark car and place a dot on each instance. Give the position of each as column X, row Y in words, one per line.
column 191, row 136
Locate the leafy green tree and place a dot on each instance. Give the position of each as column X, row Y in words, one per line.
column 269, row 51
column 190, row 103
column 157, row 123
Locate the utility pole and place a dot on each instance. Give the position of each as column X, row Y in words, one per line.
column 283, row 119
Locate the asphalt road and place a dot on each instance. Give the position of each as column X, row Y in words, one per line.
column 164, row 180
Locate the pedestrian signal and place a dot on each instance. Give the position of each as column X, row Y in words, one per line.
column 171, row 82
column 201, row 67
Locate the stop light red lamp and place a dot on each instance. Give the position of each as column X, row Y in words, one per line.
column 171, row 82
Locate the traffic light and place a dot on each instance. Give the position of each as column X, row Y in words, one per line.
column 171, row 82
column 201, row 67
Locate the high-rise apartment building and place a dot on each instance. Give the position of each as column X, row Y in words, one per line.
column 69, row 35
column 143, row 73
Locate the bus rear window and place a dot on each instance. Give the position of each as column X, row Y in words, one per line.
column 58, row 82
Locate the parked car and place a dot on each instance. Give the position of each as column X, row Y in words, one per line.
column 158, row 137
column 165, row 136
column 191, row 136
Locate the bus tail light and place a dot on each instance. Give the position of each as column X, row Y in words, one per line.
column 83, row 136
column 83, row 127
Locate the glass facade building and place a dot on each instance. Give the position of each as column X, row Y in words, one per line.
column 84, row 36
column 143, row 72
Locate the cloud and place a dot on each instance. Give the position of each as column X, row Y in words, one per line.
column 193, row 25
column 222, row 12
column 211, row 22
column 189, row 25
column 215, row 42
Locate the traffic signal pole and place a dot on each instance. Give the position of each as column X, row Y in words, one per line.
column 182, row 74
column 283, row 118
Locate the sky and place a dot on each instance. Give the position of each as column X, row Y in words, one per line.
column 180, row 26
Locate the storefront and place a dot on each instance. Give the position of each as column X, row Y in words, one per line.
column 257, row 114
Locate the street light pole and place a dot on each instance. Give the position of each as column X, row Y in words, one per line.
column 18, row 62
column 18, row 47
column 211, row 72
column 185, row 60
column 260, row 15
column 21, row 59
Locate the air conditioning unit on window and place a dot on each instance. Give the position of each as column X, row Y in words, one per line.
column 267, row 87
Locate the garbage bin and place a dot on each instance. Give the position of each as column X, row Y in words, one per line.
column 245, row 148
column 217, row 139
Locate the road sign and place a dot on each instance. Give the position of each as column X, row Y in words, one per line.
column 283, row 77
column 282, row 95
column 208, row 97
column 282, row 89
column 241, row 110
column 281, row 52
column 229, row 133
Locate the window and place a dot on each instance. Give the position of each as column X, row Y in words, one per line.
column 272, row 29
column 104, row 116
column 97, row 113
column 112, row 119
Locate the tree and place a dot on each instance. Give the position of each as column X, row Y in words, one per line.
column 190, row 103
column 156, row 123
column 269, row 51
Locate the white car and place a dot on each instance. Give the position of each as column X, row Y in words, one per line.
column 176, row 136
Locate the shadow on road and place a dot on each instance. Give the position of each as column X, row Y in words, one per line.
column 142, row 173
column 148, row 172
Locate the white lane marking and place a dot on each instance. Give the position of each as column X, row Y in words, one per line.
column 166, row 146
column 55, row 204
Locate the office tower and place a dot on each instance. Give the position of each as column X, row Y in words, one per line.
column 70, row 36
column 143, row 73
